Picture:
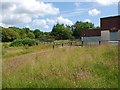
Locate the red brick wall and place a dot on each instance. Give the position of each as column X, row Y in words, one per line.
column 110, row 23
column 91, row 32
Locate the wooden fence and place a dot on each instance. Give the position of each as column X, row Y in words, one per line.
column 83, row 43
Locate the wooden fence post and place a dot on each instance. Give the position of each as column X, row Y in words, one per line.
column 82, row 43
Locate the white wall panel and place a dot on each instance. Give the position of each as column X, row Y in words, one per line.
column 105, row 35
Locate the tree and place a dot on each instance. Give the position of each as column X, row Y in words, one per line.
column 79, row 26
column 38, row 34
column 26, row 33
column 1, row 33
column 98, row 27
column 16, row 29
column 31, row 35
column 26, row 30
column 67, row 33
column 22, row 34
column 57, row 30
column 60, row 31
column 9, row 35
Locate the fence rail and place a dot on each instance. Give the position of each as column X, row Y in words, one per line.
column 84, row 43
column 68, row 43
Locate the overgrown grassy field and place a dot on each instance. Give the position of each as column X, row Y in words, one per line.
column 63, row 67
column 8, row 51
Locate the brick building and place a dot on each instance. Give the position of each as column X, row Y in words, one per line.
column 108, row 33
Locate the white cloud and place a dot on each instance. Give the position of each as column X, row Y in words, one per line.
column 102, row 2
column 87, row 20
column 106, row 2
column 75, row 12
column 5, row 25
column 60, row 20
column 77, row 4
column 51, row 21
column 40, row 24
column 94, row 12
column 27, row 26
column 23, row 11
column 64, row 21
column 46, row 27
column 0, row 18
column 13, row 19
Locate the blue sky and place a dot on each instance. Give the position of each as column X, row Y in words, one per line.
column 43, row 15
column 70, row 7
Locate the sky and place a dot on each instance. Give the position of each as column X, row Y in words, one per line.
column 43, row 15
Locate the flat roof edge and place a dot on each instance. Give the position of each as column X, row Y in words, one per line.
column 110, row 17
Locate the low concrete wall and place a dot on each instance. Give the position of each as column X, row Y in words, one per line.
column 118, row 35
column 91, row 43
column 105, row 42
column 105, row 35
column 113, row 43
column 110, row 43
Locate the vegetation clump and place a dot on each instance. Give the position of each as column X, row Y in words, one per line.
column 23, row 42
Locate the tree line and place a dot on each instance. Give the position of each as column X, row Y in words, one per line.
column 59, row 32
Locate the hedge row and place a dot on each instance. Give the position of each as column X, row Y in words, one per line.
column 23, row 42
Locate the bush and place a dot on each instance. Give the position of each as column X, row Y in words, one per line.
column 9, row 35
column 23, row 42
column 5, row 45
column 26, row 47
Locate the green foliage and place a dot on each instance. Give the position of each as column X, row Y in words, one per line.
column 79, row 26
column 47, row 37
column 23, row 34
column 26, row 41
column 5, row 45
column 26, row 46
column 16, row 29
column 31, row 35
column 60, row 32
column 26, row 33
column 67, row 33
column 9, row 35
column 16, row 51
column 97, row 27
column 75, row 67
column 12, row 33
column 0, row 33
column 26, row 30
column 38, row 34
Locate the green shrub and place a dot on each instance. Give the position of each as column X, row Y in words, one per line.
column 5, row 45
column 26, row 47
column 23, row 42
column 4, row 51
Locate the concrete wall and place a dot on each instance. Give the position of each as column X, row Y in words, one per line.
column 118, row 35
column 113, row 36
column 105, row 37
column 92, row 38
column 90, row 43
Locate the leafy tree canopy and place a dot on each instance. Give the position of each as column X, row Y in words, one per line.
column 60, row 31
column 79, row 26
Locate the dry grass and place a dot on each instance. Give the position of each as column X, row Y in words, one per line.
column 8, row 52
column 94, row 67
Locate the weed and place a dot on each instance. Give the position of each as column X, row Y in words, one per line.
column 67, row 67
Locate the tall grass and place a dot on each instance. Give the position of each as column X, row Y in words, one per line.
column 66, row 67
column 8, row 51
column 0, row 65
